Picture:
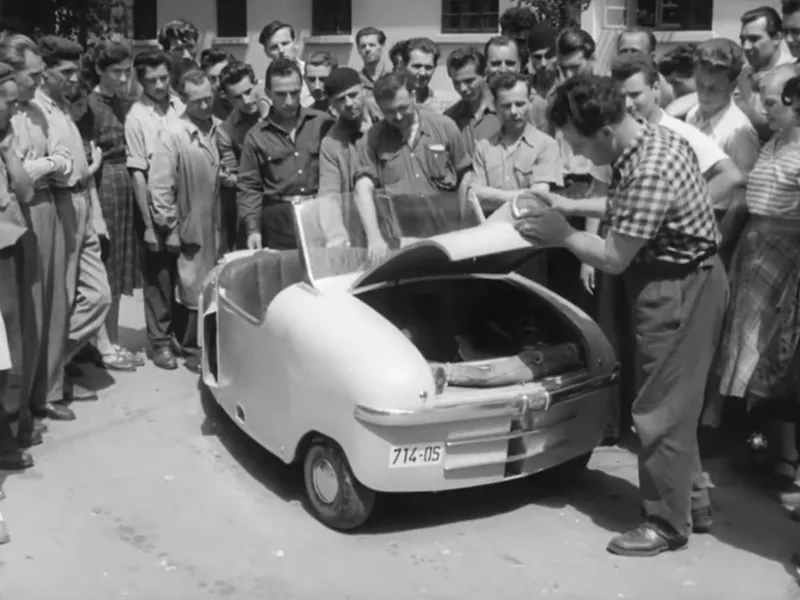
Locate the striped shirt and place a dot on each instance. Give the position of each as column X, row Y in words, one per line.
column 773, row 189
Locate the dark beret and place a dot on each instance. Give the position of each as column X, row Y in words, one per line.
column 340, row 80
column 6, row 72
column 542, row 37
column 55, row 49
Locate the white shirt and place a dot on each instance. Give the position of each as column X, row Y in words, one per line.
column 5, row 353
column 732, row 131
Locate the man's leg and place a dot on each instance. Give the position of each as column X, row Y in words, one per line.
column 158, row 290
column 678, row 322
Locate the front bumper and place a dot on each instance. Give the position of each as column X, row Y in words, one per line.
column 506, row 403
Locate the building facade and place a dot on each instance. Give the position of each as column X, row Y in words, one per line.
column 330, row 25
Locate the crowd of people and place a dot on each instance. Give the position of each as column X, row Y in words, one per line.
column 667, row 189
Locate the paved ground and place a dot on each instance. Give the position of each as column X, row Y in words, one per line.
column 150, row 495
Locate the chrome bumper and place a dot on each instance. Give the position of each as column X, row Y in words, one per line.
column 551, row 391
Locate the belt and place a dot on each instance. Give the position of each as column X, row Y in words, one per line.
column 75, row 189
column 289, row 199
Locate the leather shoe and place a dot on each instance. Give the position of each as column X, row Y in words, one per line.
column 16, row 460
column 643, row 541
column 193, row 363
column 163, row 358
column 57, row 411
column 78, row 393
column 28, row 439
column 702, row 520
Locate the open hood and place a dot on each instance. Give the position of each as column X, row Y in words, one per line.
column 494, row 247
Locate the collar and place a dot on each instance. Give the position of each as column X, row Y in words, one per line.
column 194, row 130
column 174, row 103
column 717, row 117
column 304, row 115
column 236, row 116
column 782, row 57
column 46, row 102
column 381, row 69
column 633, row 147
column 353, row 131
column 529, row 136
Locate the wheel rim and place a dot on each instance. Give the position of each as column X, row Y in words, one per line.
column 326, row 483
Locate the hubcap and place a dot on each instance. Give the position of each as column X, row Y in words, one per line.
column 326, row 484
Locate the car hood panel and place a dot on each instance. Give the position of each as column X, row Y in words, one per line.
column 494, row 247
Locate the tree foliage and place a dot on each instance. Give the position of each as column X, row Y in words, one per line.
column 560, row 13
column 77, row 19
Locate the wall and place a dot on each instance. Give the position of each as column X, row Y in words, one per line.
column 400, row 19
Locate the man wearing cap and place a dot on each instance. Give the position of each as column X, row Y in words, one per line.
column 88, row 292
column 19, row 274
column 42, row 155
column 338, row 155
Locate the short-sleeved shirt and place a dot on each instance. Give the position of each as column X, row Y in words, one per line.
column 733, row 133
column 773, row 188
column 750, row 80
column 533, row 159
column 369, row 82
column 435, row 161
column 658, row 194
column 145, row 121
column 476, row 126
column 273, row 165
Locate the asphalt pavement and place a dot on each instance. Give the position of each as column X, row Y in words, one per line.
column 152, row 494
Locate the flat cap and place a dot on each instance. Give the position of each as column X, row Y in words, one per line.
column 54, row 49
column 542, row 36
column 340, row 80
column 6, row 72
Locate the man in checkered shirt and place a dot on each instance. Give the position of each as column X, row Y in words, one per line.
column 662, row 238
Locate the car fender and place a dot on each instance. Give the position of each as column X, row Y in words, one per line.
column 338, row 352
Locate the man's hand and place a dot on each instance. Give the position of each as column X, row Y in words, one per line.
column 532, row 201
column 173, row 243
column 549, row 228
column 254, row 241
column 588, row 277
column 377, row 250
column 97, row 159
column 151, row 241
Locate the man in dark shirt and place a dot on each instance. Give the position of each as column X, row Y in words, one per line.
column 417, row 158
column 213, row 61
column 475, row 113
column 280, row 159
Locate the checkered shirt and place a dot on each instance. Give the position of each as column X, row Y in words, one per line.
column 658, row 194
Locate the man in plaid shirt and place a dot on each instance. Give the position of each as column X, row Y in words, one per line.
column 662, row 238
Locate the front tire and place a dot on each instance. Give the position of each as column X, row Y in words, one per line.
column 336, row 497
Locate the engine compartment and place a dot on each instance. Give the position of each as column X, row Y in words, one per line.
column 474, row 320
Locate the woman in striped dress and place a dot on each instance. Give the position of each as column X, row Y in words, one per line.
column 103, row 123
column 763, row 325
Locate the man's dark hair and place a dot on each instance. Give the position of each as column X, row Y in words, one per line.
column 281, row 67
column 507, row 81
column 517, row 22
column 234, row 72
column 501, row 41
column 789, row 7
column 179, row 30
column 388, row 85
column 681, row 60
column 214, row 56
column 625, row 66
column 423, row 44
column 589, row 103
column 151, row 58
column 54, row 50
column 651, row 37
column 371, row 31
column 193, row 76
column 271, row 29
column 396, row 54
column 575, row 40
column 323, row 58
column 774, row 21
column 461, row 57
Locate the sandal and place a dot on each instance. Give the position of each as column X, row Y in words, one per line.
column 116, row 361
column 135, row 359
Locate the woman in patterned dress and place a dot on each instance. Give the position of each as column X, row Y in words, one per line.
column 103, row 123
column 761, row 335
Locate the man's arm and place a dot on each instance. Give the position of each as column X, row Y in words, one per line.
column 723, row 179
column 367, row 173
column 489, row 198
column 548, row 168
column 96, row 210
column 744, row 148
column 611, row 255
column 250, row 188
column 681, row 106
column 20, row 180
column 227, row 158
column 136, row 160
column 332, row 179
column 163, row 183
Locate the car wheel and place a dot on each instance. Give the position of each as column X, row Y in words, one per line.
column 337, row 498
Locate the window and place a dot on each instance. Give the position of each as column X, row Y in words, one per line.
column 231, row 18
column 470, row 16
column 331, row 17
column 145, row 19
column 675, row 15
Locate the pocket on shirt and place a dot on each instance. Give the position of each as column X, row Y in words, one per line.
column 523, row 175
column 442, row 173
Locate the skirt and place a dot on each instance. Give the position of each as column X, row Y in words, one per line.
column 119, row 213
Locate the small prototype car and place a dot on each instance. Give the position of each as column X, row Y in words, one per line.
column 436, row 368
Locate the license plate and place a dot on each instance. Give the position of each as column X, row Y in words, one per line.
column 422, row 455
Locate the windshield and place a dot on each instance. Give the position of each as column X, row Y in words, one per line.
column 333, row 237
